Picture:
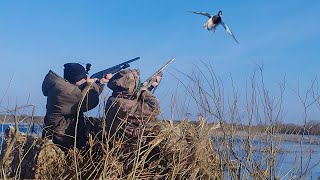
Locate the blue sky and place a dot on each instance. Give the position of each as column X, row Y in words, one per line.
column 36, row 36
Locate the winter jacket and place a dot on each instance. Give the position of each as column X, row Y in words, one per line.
column 63, row 110
column 127, row 110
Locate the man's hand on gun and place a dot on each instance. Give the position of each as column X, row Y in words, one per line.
column 156, row 80
column 153, row 81
column 106, row 78
column 103, row 80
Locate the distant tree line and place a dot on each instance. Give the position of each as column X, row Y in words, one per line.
column 310, row 128
column 8, row 118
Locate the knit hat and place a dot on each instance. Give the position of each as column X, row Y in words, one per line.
column 73, row 72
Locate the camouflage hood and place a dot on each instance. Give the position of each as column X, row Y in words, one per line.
column 125, row 82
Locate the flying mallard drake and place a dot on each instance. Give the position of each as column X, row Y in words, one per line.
column 215, row 21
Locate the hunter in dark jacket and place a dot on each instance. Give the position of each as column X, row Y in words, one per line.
column 129, row 110
column 67, row 99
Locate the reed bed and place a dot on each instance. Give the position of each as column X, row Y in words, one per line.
column 216, row 146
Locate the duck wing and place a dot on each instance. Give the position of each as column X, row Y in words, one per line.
column 202, row 13
column 228, row 30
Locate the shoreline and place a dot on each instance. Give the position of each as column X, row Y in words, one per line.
column 292, row 138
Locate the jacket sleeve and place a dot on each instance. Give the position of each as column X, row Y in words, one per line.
column 91, row 92
column 68, row 100
column 150, row 106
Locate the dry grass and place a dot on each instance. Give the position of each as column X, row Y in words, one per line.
column 225, row 149
column 180, row 151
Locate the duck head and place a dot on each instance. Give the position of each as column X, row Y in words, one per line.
column 220, row 13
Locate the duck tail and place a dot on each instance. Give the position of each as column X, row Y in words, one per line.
column 206, row 26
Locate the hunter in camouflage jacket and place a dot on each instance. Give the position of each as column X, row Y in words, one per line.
column 128, row 110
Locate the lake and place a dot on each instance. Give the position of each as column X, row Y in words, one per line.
column 291, row 158
column 22, row 128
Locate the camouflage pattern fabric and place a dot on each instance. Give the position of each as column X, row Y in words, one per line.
column 127, row 110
